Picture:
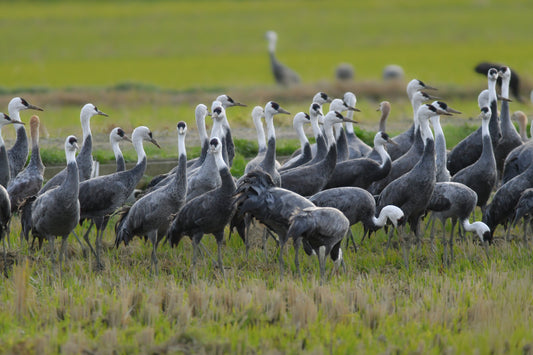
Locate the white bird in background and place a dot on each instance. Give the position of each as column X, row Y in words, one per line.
column 283, row 74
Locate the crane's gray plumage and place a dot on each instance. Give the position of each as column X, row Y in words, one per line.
column 200, row 113
column 456, row 201
column 358, row 205
column 151, row 215
column 519, row 159
column 340, row 106
column 85, row 157
column 321, row 230
column 283, row 74
column 5, row 174
column 510, row 138
column 524, row 209
column 400, row 192
column 227, row 102
column 363, row 171
column 384, row 107
column 272, row 206
column 30, row 180
column 307, row 180
column 207, row 178
column 18, row 154
column 407, row 161
column 467, row 151
column 57, row 211
column 101, row 196
column 502, row 206
column 404, row 140
column 208, row 213
column 482, row 175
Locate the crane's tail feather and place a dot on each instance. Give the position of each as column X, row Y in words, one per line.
column 121, row 232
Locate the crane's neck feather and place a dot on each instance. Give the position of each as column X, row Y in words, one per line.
column 181, row 145
column 86, row 125
column 261, row 142
column 382, row 153
column 505, row 86
column 328, row 128
column 271, row 131
column 492, row 91
column 216, row 130
column 139, row 148
column 485, row 127
column 71, row 156
column 299, row 127
column 200, row 123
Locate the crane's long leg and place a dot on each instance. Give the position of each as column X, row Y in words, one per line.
column 51, row 240
column 282, row 244
column 98, row 245
column 79, row 242
column 391, row 233
column 297, row 243
column 454, row 222
column 86, row 237
column 220, row 238
column 525, row 231
column 195, row 241
column 444, row 245
column 62, row 254
column 153, row 259
column 247, row 224
column 5, row 255
column 322, row 263
column 432, row 233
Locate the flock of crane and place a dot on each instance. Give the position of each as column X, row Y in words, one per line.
column 314, row 197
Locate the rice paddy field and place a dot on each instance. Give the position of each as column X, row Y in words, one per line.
column 150, row 63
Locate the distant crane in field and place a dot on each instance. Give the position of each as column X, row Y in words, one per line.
column 5, row 174
column 283, row 74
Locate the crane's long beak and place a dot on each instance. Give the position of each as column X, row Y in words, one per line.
column 353, row 109
column 442, row 112
column 389, row 140
column 155, row 143
column 451, row 110
column 33, row 107
column 239, row 104
column 282, row 110
column 102, row 113
column 349, row 120
column 126, row 138
column 430, row 87
column 431, row 97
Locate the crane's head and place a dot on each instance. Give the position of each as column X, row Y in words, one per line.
column 215, row 145
column 228, row 101
column 181, row 127
column 273, row 108
column 118, row 134
column 321, row 98
column 381, row 138
column 492, row 74
column 71, row 144
column 485, row 113
column 18, row 104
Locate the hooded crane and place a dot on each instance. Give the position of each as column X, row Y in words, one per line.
column 484, row 67
column 84, row 159
column 18, row 154
column 307, row 180
column 456, row 201
column 338, row 105
column 482, row 175
column 521, row 118
column 207, row 178
column 5, row 175
column 30, row 180
column 257, row 114
column 151, row 215
column 300, row 119
column 400, row 192
column 358, row 205
column 268, row 164
column 405, row 140
column 272, row 206
column 208, row 213
column 384, row 107
column 322, row 230
column 356, row 147
column 103, row 195
column 440, row 142
column 283, row 74
column 116, row 136
column 467, row 151
column 227, row 102
column 363, row 171
column 510, row 138
column 200, row 113
column 407, row 161
column 56, row 212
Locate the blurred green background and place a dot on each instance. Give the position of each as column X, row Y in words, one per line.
column 152, row 62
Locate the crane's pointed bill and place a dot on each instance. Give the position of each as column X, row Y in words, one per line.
column 155, row 143
column 389, row 140
column 33, row 107
column 239, row 104
column 349, row 120
column 430, row 87
column 282, row 110
column 350, row 108
column 442, row 112
column 451, row 110
column 126, row 138
column 98, row 112
column 431, row 97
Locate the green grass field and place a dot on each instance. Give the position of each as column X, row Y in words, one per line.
column 151, row 63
